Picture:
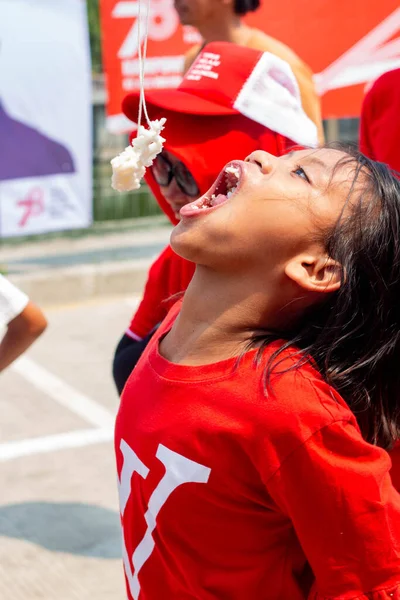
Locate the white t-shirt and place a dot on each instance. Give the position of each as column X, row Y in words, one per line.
column 12, row 301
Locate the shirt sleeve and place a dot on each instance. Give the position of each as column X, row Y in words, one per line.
column 12, row 301
column 152, row 308
column 379, row 124
column 336, row 490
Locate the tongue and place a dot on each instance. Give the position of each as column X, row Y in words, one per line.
column 219, row 199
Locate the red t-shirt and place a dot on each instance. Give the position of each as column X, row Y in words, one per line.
column 380, row 122
column 227, row 493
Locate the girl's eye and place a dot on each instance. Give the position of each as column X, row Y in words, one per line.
column 301, row 173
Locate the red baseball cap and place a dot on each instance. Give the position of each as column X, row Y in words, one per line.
column 227, row 79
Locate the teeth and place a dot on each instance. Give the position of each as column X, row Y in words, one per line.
column 231, row 190
column 233, row 171
column 232, row 175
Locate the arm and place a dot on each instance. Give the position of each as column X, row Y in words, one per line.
column 126, row 356
column 337, row 492
column 21, row 332
column 190, row 57
column 309, row 97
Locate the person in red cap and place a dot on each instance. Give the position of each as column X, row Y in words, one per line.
column 251, row 439
column 233, row 101
column 380, row 120
column 220, row 20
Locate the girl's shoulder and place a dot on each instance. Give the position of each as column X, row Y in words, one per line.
column 297, row 409
column 297, row 395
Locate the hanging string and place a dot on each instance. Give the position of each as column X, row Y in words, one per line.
column 129, row 167
column 139, row 43
column 142, row 60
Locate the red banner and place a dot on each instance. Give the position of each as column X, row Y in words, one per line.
column 346, row 43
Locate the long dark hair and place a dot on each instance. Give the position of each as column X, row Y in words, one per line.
column 354, row 338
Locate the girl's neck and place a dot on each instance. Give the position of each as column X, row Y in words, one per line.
column 218, row 316
column 225, row 30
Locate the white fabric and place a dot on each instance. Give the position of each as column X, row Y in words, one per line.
column 12, row 301
column 133, row 335
column 271, row 97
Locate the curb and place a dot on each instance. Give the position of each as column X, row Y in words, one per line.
column 81, row 283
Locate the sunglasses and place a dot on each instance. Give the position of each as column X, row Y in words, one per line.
column 163, row 172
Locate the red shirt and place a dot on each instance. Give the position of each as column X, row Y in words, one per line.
column 226, row 493
column 168, row 275
column 380, row 121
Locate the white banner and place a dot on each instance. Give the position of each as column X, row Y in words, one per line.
column 45, row 117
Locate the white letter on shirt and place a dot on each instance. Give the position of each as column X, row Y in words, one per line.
column 178, row 470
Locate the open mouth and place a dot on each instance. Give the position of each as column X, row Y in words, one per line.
column 224, row 188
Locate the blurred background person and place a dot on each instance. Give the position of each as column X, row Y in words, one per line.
column 220, row 20
column 203, row 133
column 379, row 139
column 22, row 320
column 380, row 120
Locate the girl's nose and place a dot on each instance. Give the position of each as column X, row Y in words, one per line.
column 263, row 159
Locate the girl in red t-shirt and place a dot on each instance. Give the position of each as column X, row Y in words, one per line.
column 196, row 149
column 251, row 437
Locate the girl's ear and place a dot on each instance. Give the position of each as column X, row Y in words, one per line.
column 315, row 274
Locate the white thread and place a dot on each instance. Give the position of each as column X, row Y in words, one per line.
column 142, row 62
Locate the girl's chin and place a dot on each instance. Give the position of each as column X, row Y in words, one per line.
column 184, row 241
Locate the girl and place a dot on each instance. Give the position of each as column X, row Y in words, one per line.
column 251, row 437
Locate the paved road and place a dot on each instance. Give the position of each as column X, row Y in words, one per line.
column 59, row 523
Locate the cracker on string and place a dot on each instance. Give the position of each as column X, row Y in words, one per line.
column 130, row 165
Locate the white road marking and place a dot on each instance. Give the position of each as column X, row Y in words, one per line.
column 63, row 393
column 49, row 443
